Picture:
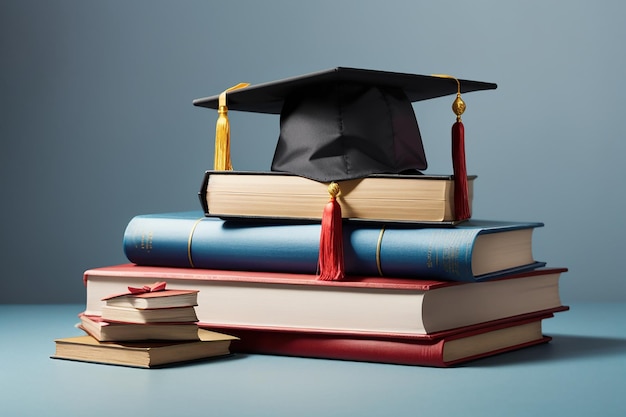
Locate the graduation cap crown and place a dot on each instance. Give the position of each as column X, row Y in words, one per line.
column 347, row 123
column 344, row 123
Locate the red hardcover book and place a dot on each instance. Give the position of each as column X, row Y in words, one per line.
column 147, row 297
column 443, row 350
column 105, row 331
column 368, row 305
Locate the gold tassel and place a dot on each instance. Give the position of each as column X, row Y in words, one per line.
column 222, row 160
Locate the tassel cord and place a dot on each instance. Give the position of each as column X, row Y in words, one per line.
column 331, row 259
column 222, row 161
column 461, row 197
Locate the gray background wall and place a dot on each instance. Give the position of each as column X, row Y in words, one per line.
column 97, row 125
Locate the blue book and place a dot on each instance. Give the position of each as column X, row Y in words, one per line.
column 474, row 250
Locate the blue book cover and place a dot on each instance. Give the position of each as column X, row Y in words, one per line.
column 474, row 250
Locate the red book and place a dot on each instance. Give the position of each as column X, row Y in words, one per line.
column 105, row 331
column 368, row 305
column 443, row 350
column 153, row 296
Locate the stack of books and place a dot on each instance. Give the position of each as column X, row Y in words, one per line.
column 414, row 294
column 421, row 283
column 146, row 327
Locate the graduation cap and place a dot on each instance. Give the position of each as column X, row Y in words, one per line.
column 347, row 123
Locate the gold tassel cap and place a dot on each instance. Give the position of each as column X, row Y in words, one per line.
column 222, row 161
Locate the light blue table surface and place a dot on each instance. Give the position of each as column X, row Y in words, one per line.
column 582, row 372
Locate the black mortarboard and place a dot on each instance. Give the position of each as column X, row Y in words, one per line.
column 345, row 123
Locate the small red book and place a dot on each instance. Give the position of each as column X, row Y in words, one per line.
column 106, row 331
column 153, row 296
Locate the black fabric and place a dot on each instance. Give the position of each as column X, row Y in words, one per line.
column 343, row 131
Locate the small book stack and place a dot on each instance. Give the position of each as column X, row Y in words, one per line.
column 344, row 250
column 147, row 327
column 151, row 312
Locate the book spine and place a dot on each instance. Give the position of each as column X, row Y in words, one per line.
column 193, row 241
column 399, row 352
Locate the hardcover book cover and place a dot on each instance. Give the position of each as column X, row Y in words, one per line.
column 449, row 349
column 474, row 250
column 366, row 304
column 146, row 297
column 106, row 331
column 415, row 198
column 143, row 354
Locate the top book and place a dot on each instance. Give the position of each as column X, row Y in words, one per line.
column 394, row 197
column 152, row 297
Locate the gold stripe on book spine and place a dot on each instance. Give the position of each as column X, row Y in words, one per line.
column 378, row 246
column 193, row 229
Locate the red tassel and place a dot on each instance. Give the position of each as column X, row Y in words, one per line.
column 461, row 195
column 331, row 239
